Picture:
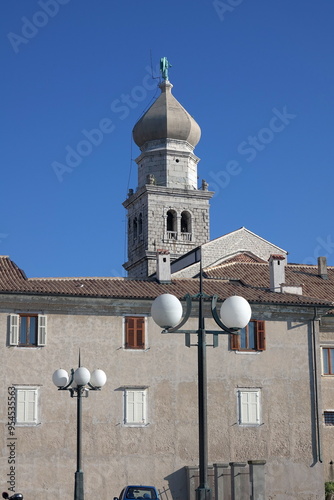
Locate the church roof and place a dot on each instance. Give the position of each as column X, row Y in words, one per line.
column 166, row 119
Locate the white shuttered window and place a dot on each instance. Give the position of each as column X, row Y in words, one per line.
column 14, row 321
column 27, row 405
column 27, row 330
column 249, row 406
column 135, row 406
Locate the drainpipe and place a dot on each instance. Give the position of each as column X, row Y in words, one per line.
column 315, row 331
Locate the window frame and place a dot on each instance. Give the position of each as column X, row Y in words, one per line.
column 136, row 346
column 136, row 401
column 331, row 414
column 15, row 329
column 25, row 390
column 171, row 221
column 260, row 338
column 241, row 402
column 329, row 364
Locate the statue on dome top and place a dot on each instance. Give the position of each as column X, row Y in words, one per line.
column 164, row 65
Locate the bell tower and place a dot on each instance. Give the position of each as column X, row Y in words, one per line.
column 167, row 210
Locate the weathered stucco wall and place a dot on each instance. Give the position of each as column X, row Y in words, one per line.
column 115, row 455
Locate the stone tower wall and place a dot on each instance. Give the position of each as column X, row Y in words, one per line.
column 153, row 203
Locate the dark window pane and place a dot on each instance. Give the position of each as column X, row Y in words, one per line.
column 325, row 361
column 251, row 336
column 243, row 339
column 33, row 331
column 23, row 330
column 331, row 363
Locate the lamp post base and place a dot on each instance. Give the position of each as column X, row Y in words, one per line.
column 203, row 494
column 79, row 485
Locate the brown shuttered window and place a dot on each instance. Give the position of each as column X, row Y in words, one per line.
column 250, row 338
column 134, row 333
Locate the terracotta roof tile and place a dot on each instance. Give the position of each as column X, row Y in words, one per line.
column 244, row 257
column 257, row 274
column 251, row 280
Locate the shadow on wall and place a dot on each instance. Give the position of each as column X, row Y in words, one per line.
column 177, row 482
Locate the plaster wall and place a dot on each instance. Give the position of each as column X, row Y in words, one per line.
column 115, row 455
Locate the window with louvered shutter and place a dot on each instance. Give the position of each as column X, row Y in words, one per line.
column 27, row 405
column 250, row 338
column 260, row 336
column 41, row 336
column 134, row 332
column 249, row 406
column 14, row 321
column 135, row 406
column 27, row 330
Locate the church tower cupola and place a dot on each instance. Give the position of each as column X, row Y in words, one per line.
column 166, row 118
column 174, row 213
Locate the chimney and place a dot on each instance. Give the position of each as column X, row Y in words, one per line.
column 163, row 267
column 277, row 272
column 322, row 268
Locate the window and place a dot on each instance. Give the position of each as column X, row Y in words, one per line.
column 135, row 406
column 135, row 228
column 171, row 225
column 27, row 405
column 27, row 330
column 140, row 225
column 134, row 332
column 249, row 406
column 186, row 226
column 329, row 417
column 328, row 361
column 250, row 338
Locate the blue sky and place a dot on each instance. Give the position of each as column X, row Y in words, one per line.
column 258, row 76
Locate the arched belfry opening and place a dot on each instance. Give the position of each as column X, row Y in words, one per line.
column 140, row 225
column 171, row 222
column 186, row 229
column 135, row 229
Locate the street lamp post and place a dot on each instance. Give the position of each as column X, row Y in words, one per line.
column 235, row 314
column 79, row 383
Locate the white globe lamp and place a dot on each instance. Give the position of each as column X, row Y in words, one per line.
column 98, row 378
column 235, row 312
column 81, row 376
column 166, row 310
column 60, row 378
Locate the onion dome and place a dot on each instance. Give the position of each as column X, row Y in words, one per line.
column 166, row 119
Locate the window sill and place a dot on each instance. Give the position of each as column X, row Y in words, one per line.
column 26, row 347
column 246, row 352
column 134, row 349
column 135, row 425
column 28, row 424
column 250, row 425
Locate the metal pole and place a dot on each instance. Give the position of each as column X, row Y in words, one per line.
column 203, row 491
column 79, row 478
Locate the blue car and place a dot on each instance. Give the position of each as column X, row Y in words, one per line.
column 132, row 492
